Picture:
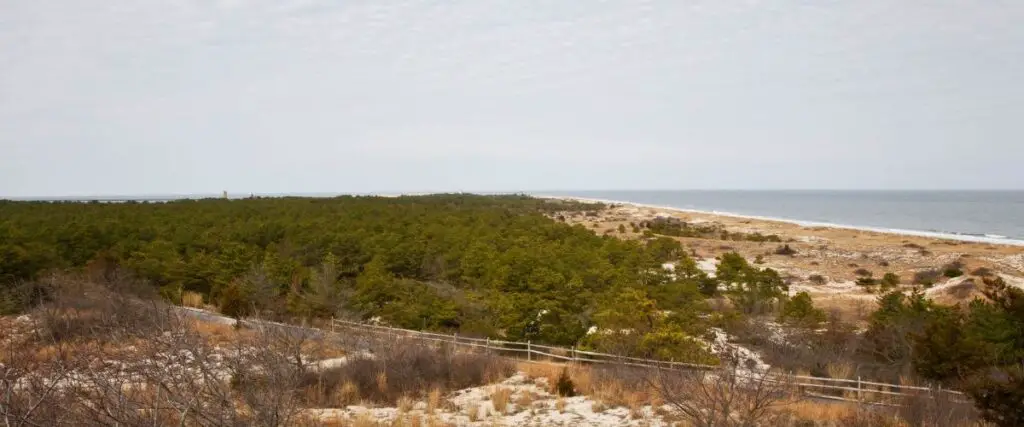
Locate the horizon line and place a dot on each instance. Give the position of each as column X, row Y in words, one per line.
column 236, row 195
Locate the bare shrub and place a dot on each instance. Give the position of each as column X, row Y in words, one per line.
column 936, row 408
column 730, row 396
column 104, row 357
column 82, row 310
column 410, row 368
column 817, row 279
column 785, row 250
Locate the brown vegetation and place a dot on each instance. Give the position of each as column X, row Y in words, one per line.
column 105, row 354
column 729, row 396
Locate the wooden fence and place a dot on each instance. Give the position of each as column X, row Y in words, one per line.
column 851, row 390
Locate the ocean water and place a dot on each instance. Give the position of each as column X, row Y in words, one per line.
column 989, row 216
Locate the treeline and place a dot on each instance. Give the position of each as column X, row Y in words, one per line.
column 977, row 348
column 481, row 265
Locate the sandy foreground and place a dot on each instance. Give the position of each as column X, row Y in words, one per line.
column 839, row 255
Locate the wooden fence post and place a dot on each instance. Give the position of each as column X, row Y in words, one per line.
column 860, row 394
column 332, row 324
column 529, row 351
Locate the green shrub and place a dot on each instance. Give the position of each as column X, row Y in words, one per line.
column 891, row 279
column 799, row 310
column 952, row 272
column 866, row 281
column 926, row 277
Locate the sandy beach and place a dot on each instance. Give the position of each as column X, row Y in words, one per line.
column 828, row 259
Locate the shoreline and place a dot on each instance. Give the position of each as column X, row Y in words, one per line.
column 803, row 223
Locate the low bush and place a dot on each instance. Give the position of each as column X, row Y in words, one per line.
column 565, row 386
column 863, row 272
column 890, row 279
column 817, row 279
column 926, row 277
column 866, row 281
column 936, row 408
column 952, row 272
column 785, row 250
column 982, row 272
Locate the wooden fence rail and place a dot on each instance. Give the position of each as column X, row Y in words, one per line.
column 852, row 390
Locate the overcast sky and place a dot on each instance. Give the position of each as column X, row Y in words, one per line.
column 198, row 96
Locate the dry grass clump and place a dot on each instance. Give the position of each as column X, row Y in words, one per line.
column 382, row 382
column 433, row 400
column 500, row 398
column 324, row 349
column 818, row 411
column 347, row 394
column 613, row 385
column 405, row 404
column 473, row 412
column 525, row 399
column 839, row 370
column 219, row 333
column 547, row 371
column 410, row 369
column 365, row 420
column 619, row 385
column 192, row 299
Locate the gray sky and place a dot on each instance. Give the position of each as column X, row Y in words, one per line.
column 268, row 96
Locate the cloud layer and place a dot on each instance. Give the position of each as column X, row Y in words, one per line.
column 270, row 96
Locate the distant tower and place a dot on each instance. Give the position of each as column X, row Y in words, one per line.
column 225, row 194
